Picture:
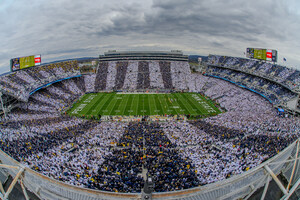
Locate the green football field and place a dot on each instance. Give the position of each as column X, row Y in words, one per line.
column 109, row 104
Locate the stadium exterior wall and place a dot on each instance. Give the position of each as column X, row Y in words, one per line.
column 233, row 188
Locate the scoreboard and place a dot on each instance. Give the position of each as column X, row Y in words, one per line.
column 24, row 62
column 262, row 54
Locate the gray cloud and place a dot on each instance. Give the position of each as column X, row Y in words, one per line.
column 66, row 29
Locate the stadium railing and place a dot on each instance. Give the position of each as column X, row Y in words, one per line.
column 239, row 186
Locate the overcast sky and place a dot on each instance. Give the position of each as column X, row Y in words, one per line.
column 60, row 29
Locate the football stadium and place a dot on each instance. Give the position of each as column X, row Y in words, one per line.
column 146, row 125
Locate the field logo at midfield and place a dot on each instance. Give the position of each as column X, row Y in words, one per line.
column 85, row 102
column 203, row 103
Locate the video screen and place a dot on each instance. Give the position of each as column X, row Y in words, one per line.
column 262, row 54
column 24, row 62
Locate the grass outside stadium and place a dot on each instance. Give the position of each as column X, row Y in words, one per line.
column 97, row 105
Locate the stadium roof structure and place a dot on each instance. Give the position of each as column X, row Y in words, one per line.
column 114, row 55
column 120, row 53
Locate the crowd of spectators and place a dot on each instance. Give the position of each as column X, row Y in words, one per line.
column 156, row 80
column 284, row 75
column 13, row 89
column 143, row 79
column 130, row 82
column 165, row 69
column 114, row 156
column 71, row 86
column 121, row 68
column 79, row 81
column 180, row 72
column 274, row 91
column 89, row 82
column 111, row 75
column 20, row 83
column 247, row 134
column 144, row 146
column 100, row 81
column 131, row 75
column 214, row 158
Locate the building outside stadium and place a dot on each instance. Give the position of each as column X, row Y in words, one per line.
column 228, row 156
